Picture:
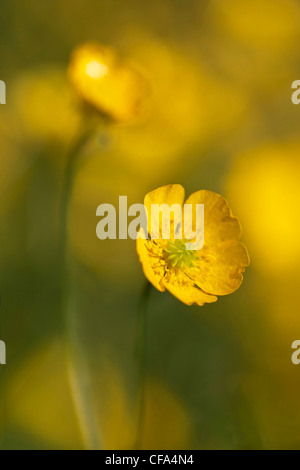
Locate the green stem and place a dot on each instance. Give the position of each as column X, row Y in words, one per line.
column 79, row 377
column 70, row 171
column 142, row 358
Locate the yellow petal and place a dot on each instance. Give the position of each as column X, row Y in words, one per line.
column 220, row 267
column 170, row 195
column 219, row 223
column 111, row 87
column 153, row 275
column 189, row 294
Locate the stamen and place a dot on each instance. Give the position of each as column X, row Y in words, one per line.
column 177, row 256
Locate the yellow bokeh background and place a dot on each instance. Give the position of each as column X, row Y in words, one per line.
column 197, row 94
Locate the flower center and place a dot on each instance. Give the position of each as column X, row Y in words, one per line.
column 176, row 255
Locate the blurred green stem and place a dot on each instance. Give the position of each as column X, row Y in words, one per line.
column 141, row 351
column 77, row 367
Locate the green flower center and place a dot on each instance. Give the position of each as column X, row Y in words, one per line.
column 176, row 255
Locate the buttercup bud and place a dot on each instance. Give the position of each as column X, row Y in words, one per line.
column 104, row 82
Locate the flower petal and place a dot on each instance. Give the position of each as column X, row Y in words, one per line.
column 109, row 85
column 170, row 195
column 219, row 223
column 220, row 267
column 154, row 275
column 189, row 294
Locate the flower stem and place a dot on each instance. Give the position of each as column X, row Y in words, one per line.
column 141, row 350
column 77, row 367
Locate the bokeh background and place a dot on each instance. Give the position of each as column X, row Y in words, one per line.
column 219, row 117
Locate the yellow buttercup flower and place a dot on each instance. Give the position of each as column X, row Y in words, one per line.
column 103, row 82
column 194, row 276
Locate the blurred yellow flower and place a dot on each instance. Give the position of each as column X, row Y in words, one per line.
column 264, row 188
column 166, row 424
column 42, row 106
column 185, row 110
column 40, row 398
column 260, row 35
column 268, row 25
column 198, row 276
column 103, row 82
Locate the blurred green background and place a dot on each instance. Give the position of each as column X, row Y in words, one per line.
column 219, row 117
